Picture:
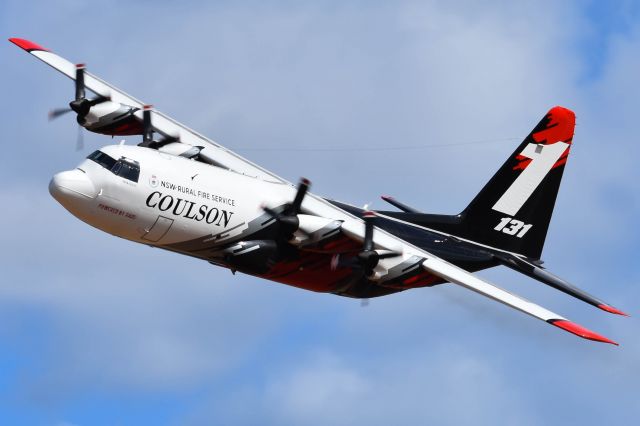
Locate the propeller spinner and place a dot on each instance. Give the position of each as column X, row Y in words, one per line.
column 287, row 220
column 364, row 263
column 99, row 114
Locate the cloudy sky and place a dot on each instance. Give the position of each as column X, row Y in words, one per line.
column 99, row 331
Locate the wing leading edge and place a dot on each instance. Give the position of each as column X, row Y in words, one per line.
column 161, row 123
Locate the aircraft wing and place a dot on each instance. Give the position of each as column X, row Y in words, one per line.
column 352, row 226
column 454, row 274
column 468, row 280
column 161, row 123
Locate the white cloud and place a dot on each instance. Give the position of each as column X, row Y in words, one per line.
column 447, row 387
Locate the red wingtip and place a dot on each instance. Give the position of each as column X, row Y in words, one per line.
column 26, row 44
column 386, row 197
column 579, row 330
column 612, row 310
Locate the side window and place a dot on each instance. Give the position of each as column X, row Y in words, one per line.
column 103, row 159
column 127, row 169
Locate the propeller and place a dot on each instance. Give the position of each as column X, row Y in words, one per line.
column 147, row 131
column 57, row 112
column 147, row 128
column 81, row 105
column 80, row 139
column 288, row 219
column 364, row 263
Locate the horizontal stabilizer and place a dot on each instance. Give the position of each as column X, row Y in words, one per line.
column 405, row 208
column 546, row 277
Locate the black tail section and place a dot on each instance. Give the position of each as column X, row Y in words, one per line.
column 513, row 210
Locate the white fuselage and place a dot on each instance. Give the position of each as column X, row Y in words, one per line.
column 205, row 211
column 174, row 199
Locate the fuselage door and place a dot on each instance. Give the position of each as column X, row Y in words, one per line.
column 158, row 230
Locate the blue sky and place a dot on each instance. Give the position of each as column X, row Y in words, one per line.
column 99, row 331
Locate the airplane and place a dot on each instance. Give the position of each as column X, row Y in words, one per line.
column 180, row 191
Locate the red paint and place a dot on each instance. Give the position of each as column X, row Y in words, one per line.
column 562, row 122
column 411, row 280
column 423, row 279
column 128, row 128
column 560, row 127
column 612, row 310
column 312, row 271
column 524, row 162
column 26, row 44
column 340, row 246
column 563, row 159
column 579, row 330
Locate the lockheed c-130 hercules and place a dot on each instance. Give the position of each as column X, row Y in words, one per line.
column 179, row 191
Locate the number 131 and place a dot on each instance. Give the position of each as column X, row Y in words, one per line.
column 511, row 226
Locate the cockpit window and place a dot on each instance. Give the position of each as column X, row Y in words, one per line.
column 103, row 159
column 127, row 169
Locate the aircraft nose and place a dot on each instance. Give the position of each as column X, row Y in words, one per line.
column 72, row 185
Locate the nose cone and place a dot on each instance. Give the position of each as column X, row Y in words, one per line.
column 71, row 188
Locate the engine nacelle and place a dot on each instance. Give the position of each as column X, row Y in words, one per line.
column 108, row 118
column 181, row 150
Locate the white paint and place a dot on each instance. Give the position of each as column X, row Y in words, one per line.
column 515, row 227
column 543, row 157
column 468, row 280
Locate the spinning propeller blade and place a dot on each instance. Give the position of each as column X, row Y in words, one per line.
column 80, row 139
column 80, row 94
column 367, row 259
column 80, row 105
column 303, row 187
column 288, row 218
column 147, row 128
column 147, row 132
column 57, row 112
